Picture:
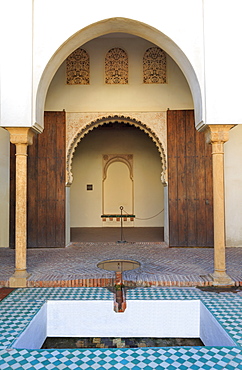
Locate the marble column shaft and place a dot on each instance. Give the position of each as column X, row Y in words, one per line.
column 21, row 137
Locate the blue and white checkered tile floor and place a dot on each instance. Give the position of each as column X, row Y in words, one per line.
column 42, row 294
column 18, row 309
column 184, row 358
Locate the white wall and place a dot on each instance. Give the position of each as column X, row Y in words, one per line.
column 233, row 187
column 195, row 26
column 97, row 318
column 211, row 332
column 222, row 61
column 16, row 63
column 4, row 188
column 86, row 206
column 135, row 96
column 161, row 319
column 35, row 334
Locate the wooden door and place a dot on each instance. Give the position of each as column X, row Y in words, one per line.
column 46, row 184
column 190, row 184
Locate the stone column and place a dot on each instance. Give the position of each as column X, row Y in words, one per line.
column 217, row 135
column 21, row 137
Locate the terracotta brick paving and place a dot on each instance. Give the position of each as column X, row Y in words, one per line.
column 4, row 292
column 76, row 265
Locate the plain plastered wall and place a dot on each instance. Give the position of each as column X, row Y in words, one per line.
column 86, row 206
column 4, row 187
column 233, row 187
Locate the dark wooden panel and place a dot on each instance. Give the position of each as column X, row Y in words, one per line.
column 52, row 179
column 172, row 177
column 61, row 169
column 182, row 180
column 32, row 190
column 200, row 186
column 46, row 190
column 209, row 194
column 42, row 193
column 190, row 183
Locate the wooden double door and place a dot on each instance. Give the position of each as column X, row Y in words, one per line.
column 45, row 186
column 189, row 184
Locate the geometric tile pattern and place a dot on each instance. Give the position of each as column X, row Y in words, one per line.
column 229, row 315
column 20, row 306
column 42, row 294
column 207, row 358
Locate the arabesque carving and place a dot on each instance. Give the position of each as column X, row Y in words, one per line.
column 154, row 66
column 116, row 67
column 78, row 68
column 77, row 129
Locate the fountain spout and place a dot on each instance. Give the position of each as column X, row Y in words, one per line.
column 119, row 293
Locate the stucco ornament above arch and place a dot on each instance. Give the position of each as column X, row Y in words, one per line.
column 122, row 25
column 81, row 131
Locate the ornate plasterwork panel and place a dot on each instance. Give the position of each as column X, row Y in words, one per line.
column 111, row 158
column 154, row 66
column 78, row 68
column 116, row 66
column 79, row 124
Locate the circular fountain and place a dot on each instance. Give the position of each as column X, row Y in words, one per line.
column 118, row 265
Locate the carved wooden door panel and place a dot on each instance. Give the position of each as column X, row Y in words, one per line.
column 189, row 183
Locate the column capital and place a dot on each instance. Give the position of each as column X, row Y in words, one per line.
column 21, row 135
column 217, row 133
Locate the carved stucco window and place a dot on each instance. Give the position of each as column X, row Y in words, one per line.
column 78, row 68
column 116, row 66
column 154, row 66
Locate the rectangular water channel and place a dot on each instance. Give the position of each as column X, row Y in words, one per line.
column 142, row 318
column 139, row 342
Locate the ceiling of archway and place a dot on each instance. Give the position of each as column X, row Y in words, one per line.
column 123, row 26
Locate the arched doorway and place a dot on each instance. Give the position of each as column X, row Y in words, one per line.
column 119, row 29
column 116, row 164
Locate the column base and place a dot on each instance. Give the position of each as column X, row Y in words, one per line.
column 221, row 279
column 19, row 279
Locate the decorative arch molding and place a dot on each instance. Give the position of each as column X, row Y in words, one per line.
column 83, row 131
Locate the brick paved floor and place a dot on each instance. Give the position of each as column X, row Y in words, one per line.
column 76, row 265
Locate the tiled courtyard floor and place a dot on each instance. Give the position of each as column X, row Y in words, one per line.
column 76, row 265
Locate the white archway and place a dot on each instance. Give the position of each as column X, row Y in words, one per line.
column 122, row 25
